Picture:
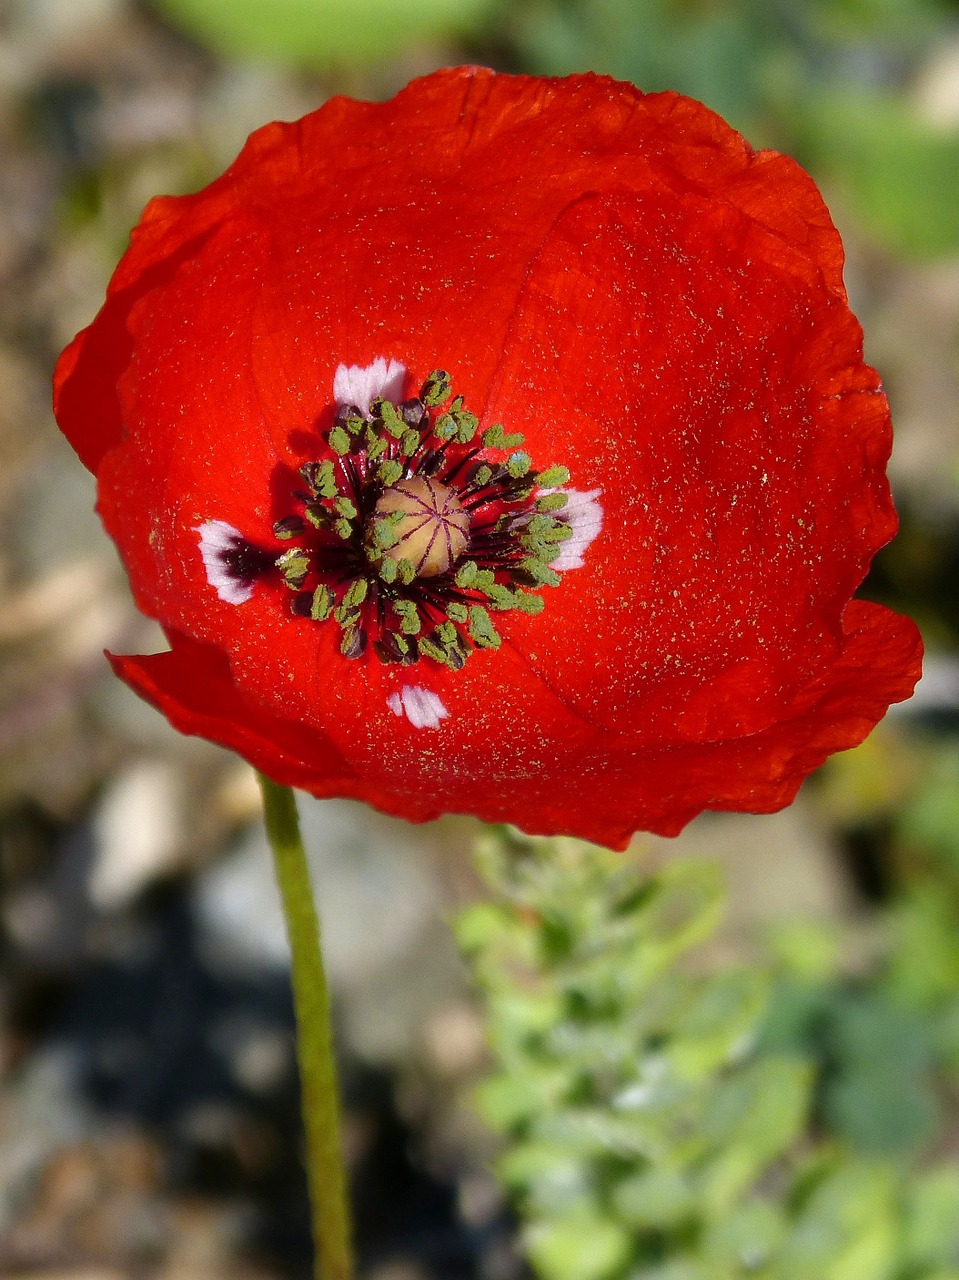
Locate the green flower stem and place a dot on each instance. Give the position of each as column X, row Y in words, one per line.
column 314, row 1038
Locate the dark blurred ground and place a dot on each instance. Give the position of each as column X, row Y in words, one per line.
column 148, row 1107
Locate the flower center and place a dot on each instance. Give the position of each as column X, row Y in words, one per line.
column 431, row 527
column 415, row 529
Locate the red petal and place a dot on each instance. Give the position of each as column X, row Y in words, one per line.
column 664, row 350
column 601, row 788
column 191, row 684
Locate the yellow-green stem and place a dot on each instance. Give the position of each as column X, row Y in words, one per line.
column 314, row 1038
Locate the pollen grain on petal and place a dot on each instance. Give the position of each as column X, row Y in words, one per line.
column 584, row 514
column 223, row 549
column 360, row 385
column 423, row 708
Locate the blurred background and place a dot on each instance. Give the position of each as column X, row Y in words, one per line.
column 147, row 1091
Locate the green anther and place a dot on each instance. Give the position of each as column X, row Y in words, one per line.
column 540, row 572
column 481, row 629
column 339, row 440
column 317, row 515
column 500, row 597
column 447, row 633
column 527, row 603
column 483, row 580
column 324, row 481
column 344, row 507
column 545, row 548
column 348, row 642
column 496, row 437
column 555, row 531
column 392, row 420
column 457, row 612
column 389, row 472
column 553, row 477
column 376, row 448
column 407, row 571
column 559, row 532
column 539, row 525
column 356, row 592
column 343, row 529
column 445, row 427
column 323, row 603
column 483, row 476
column 409, row 617
column 466, row 425
column 384, row 530
column 355, row 424
column 436, row 650
column 466, row 574
column 436, row 388
column 294, row 566
column 551, row 501
column 346, row 615
column 518, row 464
column 409, row 442
column 538, row 549
column 387, row 570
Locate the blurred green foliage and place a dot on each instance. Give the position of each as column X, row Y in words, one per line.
column 322, row 32
column 671, row 1117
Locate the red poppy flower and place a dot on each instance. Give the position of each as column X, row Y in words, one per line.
column 505, row 449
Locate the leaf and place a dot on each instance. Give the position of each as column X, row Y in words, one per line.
column 847, row 1228
column 932, row 1220
column 897, row 173
column 584, row 1245
column 548, row 1177
column 881, row 1096
column 751, row 1120
column 320, row 32
column 508, row 1100
column 659, row 1199
column 746, row 1238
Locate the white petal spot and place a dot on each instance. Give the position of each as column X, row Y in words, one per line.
column 422, row 707
column 585, row 516
column 219, row 543
column 360, row 385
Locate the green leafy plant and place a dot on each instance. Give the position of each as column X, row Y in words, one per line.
column 321, row 32
column 662, row 1120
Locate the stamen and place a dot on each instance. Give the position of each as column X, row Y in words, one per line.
column 416, row 528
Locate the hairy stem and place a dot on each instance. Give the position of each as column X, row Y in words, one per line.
column 314, row 1038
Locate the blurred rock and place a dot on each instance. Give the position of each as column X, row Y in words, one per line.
column 138, row 829
column 776, row 866
column 937, row 92
column 386, row 945
column 38, row 1117
column 455, row 1040
column 38, row 34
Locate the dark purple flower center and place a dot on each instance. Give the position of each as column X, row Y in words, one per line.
column 414, row 529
